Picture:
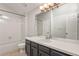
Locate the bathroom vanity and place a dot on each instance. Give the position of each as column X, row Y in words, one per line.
column 49, row 47
column 61, row 25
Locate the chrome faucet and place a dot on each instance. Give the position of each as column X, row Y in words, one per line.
column 48, row 35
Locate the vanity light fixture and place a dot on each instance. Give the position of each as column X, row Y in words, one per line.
column 49, row 6
column 41, row 7
column 45, row 10
column 46, row 6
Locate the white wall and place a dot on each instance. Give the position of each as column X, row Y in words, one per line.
column 10, row 32
column 26, row 25
column 31, row 26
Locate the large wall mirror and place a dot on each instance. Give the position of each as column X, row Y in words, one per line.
column 64, row 22
column 43, row 23
column 61, row 22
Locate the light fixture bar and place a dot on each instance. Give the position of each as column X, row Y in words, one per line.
column 49, row 6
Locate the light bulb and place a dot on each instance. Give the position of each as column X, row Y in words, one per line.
column 41, row 7
column 46, row 6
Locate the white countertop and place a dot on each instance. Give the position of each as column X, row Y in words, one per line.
column 64, row 45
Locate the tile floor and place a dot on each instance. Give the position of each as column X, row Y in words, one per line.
column 16, row 53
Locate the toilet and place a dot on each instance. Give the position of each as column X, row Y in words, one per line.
column 21, row 47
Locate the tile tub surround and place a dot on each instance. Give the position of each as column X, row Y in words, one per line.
column 64, row 45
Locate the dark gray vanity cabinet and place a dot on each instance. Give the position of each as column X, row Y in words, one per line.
column 27, row 49
column 35, row 49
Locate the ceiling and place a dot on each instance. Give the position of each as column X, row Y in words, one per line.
column 19, row 8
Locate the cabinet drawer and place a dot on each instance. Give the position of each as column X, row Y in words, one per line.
column 43, row 48
column 33, row 44
column 41, row 53
column 34, row 51
column 27, row 42
column 58, row 53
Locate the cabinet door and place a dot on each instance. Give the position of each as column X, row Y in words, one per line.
column 57, row 53
column 43, row 48
column 27, row 49
column 41, row 53
column 34, row 51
